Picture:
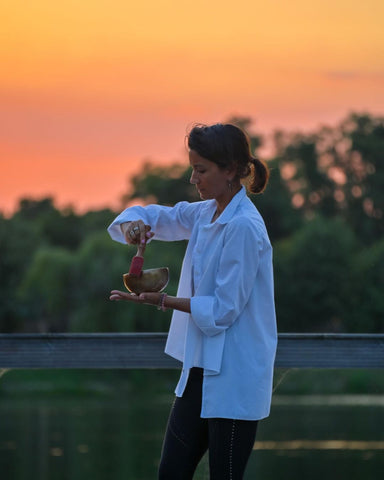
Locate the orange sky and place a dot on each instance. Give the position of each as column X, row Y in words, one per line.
column 88, row 90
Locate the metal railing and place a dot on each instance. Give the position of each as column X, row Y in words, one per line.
column 146, row 350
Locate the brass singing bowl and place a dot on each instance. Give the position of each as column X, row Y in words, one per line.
column 152, row 280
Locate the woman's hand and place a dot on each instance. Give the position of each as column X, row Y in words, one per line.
column 149, row 298
column 136, row 232
column 158, row 299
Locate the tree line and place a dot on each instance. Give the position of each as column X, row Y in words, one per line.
column 323, row 208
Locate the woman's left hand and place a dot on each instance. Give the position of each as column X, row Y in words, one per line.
column 150, row 298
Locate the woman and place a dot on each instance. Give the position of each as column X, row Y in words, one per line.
column 223, row 327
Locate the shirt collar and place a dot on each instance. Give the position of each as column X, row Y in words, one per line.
column 230, row 209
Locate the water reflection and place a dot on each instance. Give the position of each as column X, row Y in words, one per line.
column 318, row 445
column 84, row 438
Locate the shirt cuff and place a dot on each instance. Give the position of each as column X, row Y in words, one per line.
column 202, row 312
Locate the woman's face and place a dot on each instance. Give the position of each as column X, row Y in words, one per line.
column 210, row 180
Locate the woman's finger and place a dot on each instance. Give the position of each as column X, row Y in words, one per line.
column 119, row 295
column 137, row 232
column 148, row 233
column 141, row 233
column 150, row 298
column 129, row 232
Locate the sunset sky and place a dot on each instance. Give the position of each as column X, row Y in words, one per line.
column 89, row 90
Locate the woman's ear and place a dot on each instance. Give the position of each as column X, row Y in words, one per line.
column 231, row 173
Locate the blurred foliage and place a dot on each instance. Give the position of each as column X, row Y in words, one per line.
column 313, row 279
column 324, row 212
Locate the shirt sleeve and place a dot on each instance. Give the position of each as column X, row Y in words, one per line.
column 168, row 223
column 235, row 279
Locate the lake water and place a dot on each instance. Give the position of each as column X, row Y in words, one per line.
column 97, row 437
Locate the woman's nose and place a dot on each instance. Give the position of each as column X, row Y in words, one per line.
column 193, row 180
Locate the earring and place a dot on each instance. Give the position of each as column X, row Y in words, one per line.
column 230, row 186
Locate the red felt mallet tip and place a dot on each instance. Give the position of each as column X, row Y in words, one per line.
column 136, row 266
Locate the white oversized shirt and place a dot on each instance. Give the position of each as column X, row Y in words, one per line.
column 227, row 273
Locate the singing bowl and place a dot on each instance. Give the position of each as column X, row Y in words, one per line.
column 152, row 280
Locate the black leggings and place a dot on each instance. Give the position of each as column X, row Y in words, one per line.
column 188, row 437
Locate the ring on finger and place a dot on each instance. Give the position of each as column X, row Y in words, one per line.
column 136, row 229
column 132, row 233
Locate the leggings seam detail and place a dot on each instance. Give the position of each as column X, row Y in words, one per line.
column 231, row 449
column 172, row 430
column 177, row 436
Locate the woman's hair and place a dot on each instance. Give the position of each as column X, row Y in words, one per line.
column 228, row 146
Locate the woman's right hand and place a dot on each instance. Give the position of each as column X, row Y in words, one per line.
column 136, row 232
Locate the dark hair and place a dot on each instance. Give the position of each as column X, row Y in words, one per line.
column 228, row 146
